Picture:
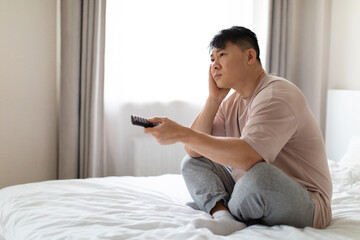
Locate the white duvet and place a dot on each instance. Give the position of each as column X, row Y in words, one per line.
column 147, row 208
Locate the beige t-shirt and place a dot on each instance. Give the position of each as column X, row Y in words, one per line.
column 278, row 124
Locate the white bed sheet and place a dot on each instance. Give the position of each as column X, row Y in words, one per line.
column 147, row 208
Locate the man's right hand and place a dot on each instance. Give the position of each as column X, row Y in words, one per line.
column 204, row 121
column 214, row 90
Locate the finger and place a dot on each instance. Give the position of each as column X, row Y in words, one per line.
column 155, row 120
column 210, row 75
column 149, row 130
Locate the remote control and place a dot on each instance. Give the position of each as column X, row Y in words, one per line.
column 140, row 121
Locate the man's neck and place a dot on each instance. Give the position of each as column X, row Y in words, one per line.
column 249, row 86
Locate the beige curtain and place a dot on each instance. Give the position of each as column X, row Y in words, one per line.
column 298, row 48
column 278, row 37
column 81, row 124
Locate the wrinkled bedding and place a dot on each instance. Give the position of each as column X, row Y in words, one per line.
column 148, row 208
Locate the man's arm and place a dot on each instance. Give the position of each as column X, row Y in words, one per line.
column 204, row 121
column 232, row 152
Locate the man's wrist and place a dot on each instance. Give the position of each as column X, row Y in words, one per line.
column 186, row 134
column 214, row 100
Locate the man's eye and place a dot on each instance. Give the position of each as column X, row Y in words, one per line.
column 221, row 54
column 212, row 60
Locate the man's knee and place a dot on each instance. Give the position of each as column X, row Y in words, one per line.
column 256, row 179
column 186, row 162
column 189, row 162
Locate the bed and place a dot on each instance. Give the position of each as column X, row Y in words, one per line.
column 148, row 208
column 155, row 208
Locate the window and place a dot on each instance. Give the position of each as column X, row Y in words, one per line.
column 156, row 63
column 158, row 50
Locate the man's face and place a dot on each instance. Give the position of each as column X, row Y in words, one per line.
column 228, row 65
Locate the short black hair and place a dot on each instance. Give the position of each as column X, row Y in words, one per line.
column 241, row 36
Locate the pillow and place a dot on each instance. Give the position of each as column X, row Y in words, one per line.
column 351, row 159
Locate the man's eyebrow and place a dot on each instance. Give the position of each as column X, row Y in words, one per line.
column 217, row 50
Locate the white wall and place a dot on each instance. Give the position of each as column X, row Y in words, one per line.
column 344, row 62
column 344, row 45
column 27, row 91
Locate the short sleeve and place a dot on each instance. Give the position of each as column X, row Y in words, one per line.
column 271, row 124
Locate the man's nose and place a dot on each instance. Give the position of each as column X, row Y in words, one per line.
column 215, row 65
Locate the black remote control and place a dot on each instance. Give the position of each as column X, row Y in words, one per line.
column 140, row 121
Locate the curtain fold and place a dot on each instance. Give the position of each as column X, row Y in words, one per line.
column 81, row 115
column 278, row 40
column 298, row 48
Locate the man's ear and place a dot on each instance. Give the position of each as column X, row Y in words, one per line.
column 251, row 53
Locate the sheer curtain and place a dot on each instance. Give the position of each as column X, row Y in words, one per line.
column 157, row 63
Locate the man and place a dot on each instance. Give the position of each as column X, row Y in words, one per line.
column 258, row 156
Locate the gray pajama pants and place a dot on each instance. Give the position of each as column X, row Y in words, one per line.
column 264, row 195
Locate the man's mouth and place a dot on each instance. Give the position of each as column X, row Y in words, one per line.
column 217, row 76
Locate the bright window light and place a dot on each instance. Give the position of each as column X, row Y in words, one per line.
column 158, row 50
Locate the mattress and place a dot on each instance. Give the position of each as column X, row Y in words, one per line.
column 148, row 208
